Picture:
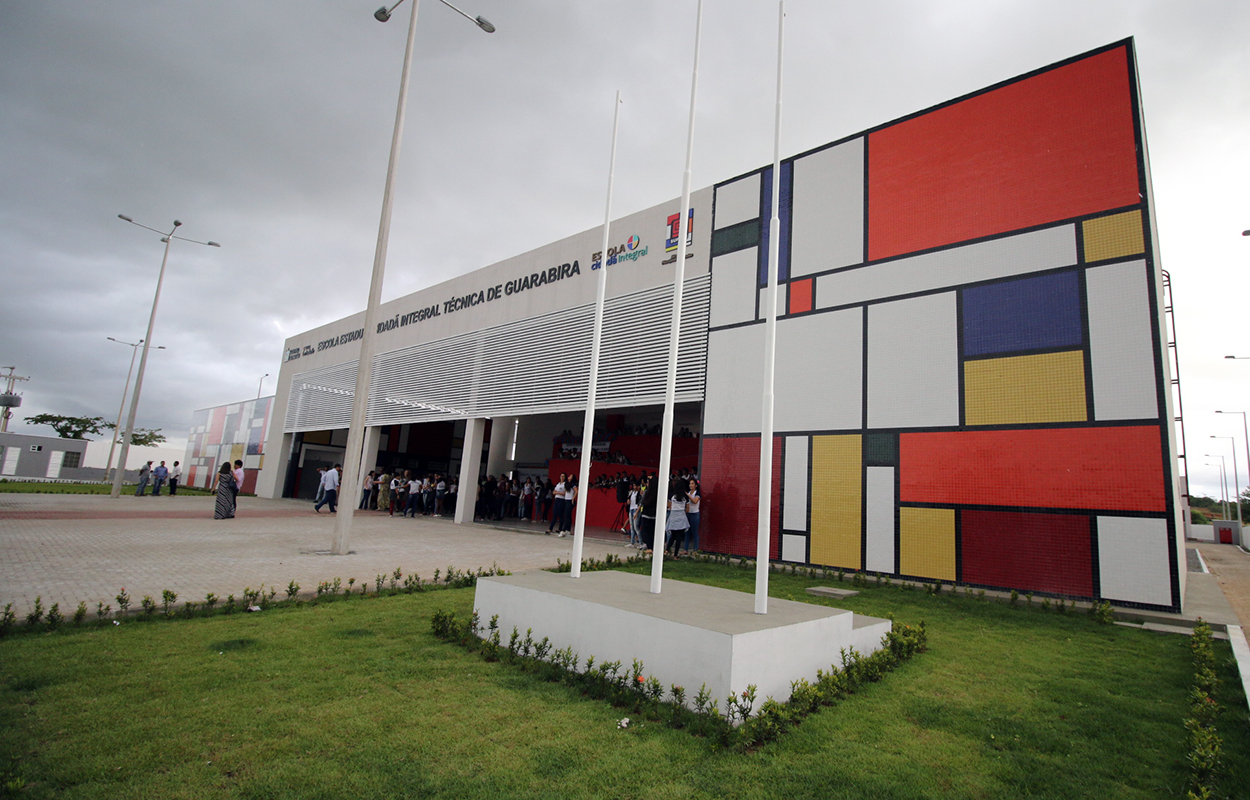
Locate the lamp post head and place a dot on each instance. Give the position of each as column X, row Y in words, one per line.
column 213, row 244
column 123, row 216
column 382, row 14
column 485, row 25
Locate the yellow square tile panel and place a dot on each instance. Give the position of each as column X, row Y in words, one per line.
column 1114, row 236
column 836, row 491
column 926, row 542
column 1047, row 387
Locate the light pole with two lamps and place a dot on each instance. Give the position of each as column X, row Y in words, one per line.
column 121, row 408
column 1223, row 465
column 353, row 455
column 1236, row 480
column 1245, row 429
column 167, row 238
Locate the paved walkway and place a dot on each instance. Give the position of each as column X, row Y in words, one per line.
column 72, row 548
column 1230, row 567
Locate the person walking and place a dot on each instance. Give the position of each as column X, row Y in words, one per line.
column 414, row 496
column 635, row 535
column 440, row 495
column 321, row 484
column 175, row 475
column 158, row 479
column 646, row 515
column 329, row 483
column 223, row 485
column 570, row 502
column 145, row 473
column 366, row 488
column 399, row 492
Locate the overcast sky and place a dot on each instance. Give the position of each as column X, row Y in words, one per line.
column 266, row 126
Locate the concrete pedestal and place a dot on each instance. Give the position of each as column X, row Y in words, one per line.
column 688, row 635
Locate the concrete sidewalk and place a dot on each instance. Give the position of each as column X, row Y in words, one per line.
column 84, row 548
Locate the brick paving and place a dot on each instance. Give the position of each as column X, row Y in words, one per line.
column 72, row 548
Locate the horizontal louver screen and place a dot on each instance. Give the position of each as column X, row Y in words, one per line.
column 531, row 366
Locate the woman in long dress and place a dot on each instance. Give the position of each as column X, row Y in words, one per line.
column 223, row 484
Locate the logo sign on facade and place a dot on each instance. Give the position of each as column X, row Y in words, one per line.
column 670, row 244
column 631, row 250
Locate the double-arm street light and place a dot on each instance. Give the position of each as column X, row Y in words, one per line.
column 1223, row 465
column 1245, row 429
column 353, row 455
column 167, row 238
column 121, row 408
column 1236, row 481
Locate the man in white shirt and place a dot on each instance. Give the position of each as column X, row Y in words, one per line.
column 330, row 485
column 175, row 475
column 414, row 497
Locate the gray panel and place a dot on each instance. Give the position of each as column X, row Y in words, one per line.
column 735, row 385
column 819, row 384
column 1000, row 258
column 1133, row 561
column 827, row 219
column 738, row 201
column 734, row 281
column 1121, row 343
column 794, row 548
column 879, row 519
column 913, row 354
column 794, row 499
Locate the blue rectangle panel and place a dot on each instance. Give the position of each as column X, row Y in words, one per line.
column 783, row 216
column 1028, row 314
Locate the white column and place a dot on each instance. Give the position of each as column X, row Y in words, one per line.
column 470, row 465
column 497, row 458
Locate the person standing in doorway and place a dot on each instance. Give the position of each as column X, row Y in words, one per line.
column 175, row 475
column 557, row 506
column 692, row 516
column 145, row 473
column 366, row 488
column 329, row 483
column 384, row 490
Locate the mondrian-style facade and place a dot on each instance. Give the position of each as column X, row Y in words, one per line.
column 234, row 432
column 971, row 382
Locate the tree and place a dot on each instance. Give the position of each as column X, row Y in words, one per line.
column 71, row 427
column 142, row 437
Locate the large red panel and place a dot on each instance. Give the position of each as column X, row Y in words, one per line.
column 1050, row 147
column 1032, row 552
column 730, row 506
column 1097, row 468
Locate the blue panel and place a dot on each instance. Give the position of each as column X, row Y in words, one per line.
column 783, row 214
column 1026, row 314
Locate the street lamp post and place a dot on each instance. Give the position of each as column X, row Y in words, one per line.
column 1236, row 480
column 261, row 385
column 353, row 456
column 167, row 238
column 117, row 429
column 1223, row 479
column 1245, row 429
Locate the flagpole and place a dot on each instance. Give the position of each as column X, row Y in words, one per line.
column 583, row 475
column 674, row 332
column 764, row 533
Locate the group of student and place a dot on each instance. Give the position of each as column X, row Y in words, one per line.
column 681, row 527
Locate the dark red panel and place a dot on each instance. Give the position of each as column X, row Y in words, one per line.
column 1098, row 468
column 800, row 296
column 730, row 505
column 1030, row 552
column 1050, row 147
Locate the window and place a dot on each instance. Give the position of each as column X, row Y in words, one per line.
column 73, row 460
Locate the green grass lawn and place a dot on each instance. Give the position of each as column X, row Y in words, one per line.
column 39, row 487
column 357, row 699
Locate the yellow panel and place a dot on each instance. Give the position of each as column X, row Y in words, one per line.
column 236, row 452
column 926, row 542
column 1113, row 236
column 1049, row 387
column 836, row 491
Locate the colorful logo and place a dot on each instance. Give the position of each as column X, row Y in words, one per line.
column 674, row 231
column 633, row 242
column 631, row 250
